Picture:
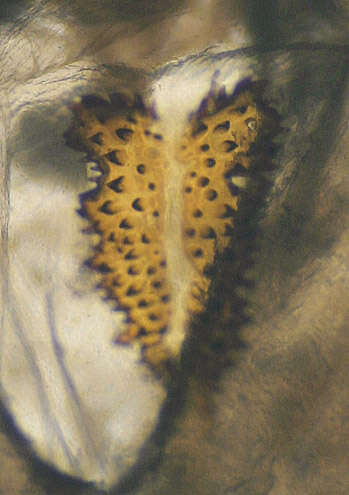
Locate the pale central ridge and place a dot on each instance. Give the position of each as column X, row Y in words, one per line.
column 165, row 205
column 179, row 267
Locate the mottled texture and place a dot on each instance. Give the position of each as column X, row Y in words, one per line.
column 151, row 184
column 127, row 211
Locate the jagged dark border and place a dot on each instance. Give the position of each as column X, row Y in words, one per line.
column 103, row 110
column 208, row 348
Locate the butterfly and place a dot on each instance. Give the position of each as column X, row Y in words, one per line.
column 164, row 208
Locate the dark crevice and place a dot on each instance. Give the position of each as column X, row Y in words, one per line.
column 124, row 224
column 113, row 157
column 116, row 185
column 124, row 134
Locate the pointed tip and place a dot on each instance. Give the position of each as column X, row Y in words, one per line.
column 82, row 213
column 241, row 86
column 222, row 93
column 202, row 107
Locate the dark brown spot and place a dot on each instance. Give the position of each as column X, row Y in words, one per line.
column 228, row 212
column 230, row 146
column 208, row 233
column 124, row 224
column 158, row 137
column 127, row 240
column 132, row 291
column 241, row 109
column 190, row 232
column 106, row 209
column 203, row 181
column 97, row 138
column 157, row 284
column 116, row 184
column 197, row 213
column 223, row 127
column 210, row 162
column 205, row 147
column 155, row 213
column 198, row 253
column 199, row 129
column 145, row 239
column 143, row 303
column 132, row 271
column 163, row 263
column 193, row 174
column 124, row 133
column 136, row 205
column 111, row 237
column 188, row 189
column 141, row 168
column 211, row 195
column 131, row 255
column 151, row 270
column 151, row 186
column 165, row 298
column 104, row 268
column 113, row 157
column 153, row 317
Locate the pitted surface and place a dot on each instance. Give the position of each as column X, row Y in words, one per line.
column 131, row 206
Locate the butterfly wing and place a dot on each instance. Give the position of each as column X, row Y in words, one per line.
column 126, row 209
column 217, row 150
column 165, row 216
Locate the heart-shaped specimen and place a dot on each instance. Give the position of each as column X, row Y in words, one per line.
column 164, row 207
